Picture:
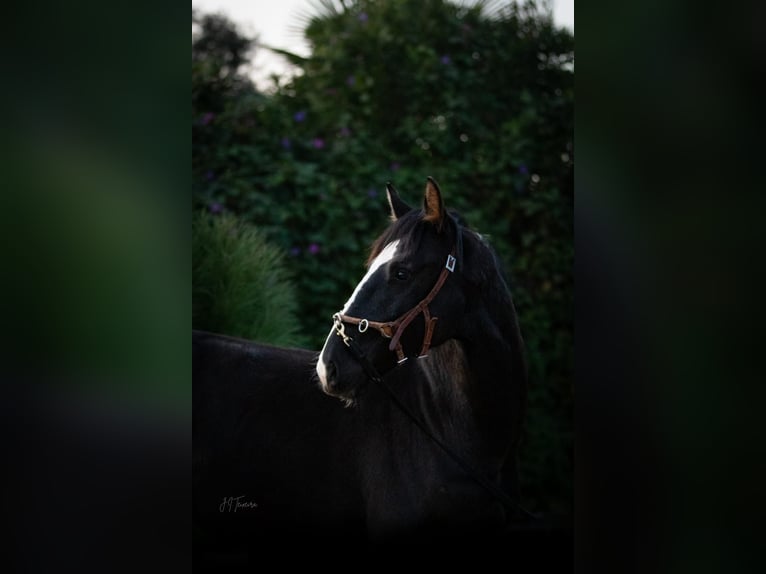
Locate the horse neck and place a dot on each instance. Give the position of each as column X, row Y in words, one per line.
column 441, row 396
column 400, row 466
column 459, row 392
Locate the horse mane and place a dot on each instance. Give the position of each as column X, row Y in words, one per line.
column 487, row 272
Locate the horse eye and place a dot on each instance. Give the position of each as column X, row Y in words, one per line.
column 402, row 274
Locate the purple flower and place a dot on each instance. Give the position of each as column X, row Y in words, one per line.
column 350, row 81
column 372, row 192
column 209, row 175
column 286, row 143
column 215, row 207
column 363, row 17
column 299, row 116
column 523, row 169
column 295, row 251
column 314, row 248
column 395, row 166
column 318, row 143
column 445, row 60
column 344, row 132
column 207, row 118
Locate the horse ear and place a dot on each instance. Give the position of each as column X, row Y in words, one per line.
column 433, row 206
column 398, row 207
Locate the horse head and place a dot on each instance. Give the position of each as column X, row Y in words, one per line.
column 412, row 297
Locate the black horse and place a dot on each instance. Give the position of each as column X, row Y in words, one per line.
column 274, row 456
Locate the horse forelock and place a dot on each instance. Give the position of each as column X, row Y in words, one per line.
column 405, row 229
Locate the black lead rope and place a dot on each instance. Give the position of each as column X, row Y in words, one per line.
column 489, row 486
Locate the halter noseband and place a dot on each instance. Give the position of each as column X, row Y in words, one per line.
column 395, row 329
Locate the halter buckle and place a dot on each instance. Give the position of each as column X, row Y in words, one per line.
column 450, row 263
column 363, row 325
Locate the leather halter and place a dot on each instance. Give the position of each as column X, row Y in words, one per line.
column 395, row 329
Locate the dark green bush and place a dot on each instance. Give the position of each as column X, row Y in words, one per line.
column 240, row 285
column 481, row 98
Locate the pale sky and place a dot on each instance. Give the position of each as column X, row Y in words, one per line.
column 277, row 23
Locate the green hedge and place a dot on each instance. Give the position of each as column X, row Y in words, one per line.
column 240, row 285
column 481, row 98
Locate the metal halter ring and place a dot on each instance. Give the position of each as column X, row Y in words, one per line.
column 363, row 325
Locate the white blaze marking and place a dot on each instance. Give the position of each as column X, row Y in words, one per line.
column 383, row 257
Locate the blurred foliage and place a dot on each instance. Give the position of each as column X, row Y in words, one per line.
column 240, row 285
column 481, row 97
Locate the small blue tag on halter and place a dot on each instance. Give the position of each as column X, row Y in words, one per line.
column 450, row 263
